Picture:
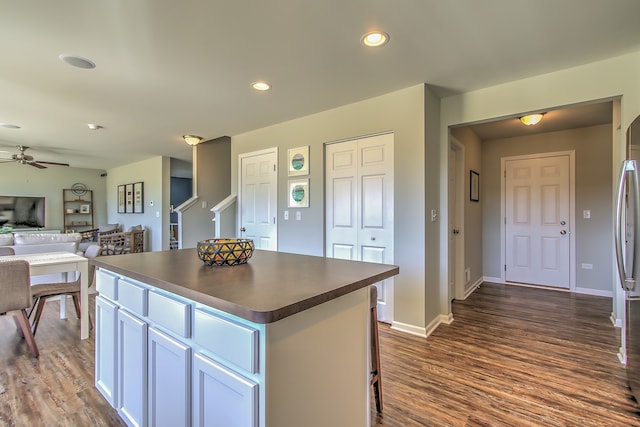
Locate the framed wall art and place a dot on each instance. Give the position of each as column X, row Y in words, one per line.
column 138, row 197
column 121, row 199
column 298, row 161
column 129, row 198
column 474, row 186
column 299, row 193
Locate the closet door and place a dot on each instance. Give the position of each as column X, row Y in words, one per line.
column 359, row 206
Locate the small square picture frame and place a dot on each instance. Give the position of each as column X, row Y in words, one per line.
column 298, row 161
column 298, row 193
column 85, row 209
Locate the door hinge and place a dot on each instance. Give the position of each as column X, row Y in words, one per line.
column 505, row 173
column 274, row 167
column 274, row 219
column 505, row 267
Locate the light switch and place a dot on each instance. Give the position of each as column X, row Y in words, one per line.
column 286, row 215
column 586, row 214
column 298, row 216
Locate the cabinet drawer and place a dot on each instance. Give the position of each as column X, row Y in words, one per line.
column 132, row 297
column 232, row 341
column 170, row 314
column 107, row 285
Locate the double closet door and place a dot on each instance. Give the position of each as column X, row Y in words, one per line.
column 359, row 206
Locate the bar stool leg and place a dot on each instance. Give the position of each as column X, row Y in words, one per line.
column 375, row 360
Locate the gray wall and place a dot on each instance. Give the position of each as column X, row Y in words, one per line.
column 154, row 173
column 212, row 182
column 593, row 185
column 402, row 112
column 24, row 180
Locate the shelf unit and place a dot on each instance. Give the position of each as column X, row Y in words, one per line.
column 77, row 210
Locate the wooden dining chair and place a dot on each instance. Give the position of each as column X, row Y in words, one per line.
column 15, row 287
column 41, row 292
column 376, row 380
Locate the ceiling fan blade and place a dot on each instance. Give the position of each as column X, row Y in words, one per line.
column 54, row 163
column 37, row 165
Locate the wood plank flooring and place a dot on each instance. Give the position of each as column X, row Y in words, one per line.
column 513, row 357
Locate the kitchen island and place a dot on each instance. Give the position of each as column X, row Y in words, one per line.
column 280, row 341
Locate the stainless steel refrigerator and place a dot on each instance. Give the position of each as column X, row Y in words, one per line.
column 627, row 236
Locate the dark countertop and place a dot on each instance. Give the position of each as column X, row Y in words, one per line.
column 270, row 287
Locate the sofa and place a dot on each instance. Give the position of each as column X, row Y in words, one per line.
column 32, row 243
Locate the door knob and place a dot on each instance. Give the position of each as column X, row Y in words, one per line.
column 563, row 232
column 373, row 238
column 242, row 230
column 563, row 222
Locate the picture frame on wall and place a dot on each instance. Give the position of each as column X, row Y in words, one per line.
column 298, row 161
column 121, row 199
column 474, row 186
column 129, row 198
column 299, row 193
column 138, row 197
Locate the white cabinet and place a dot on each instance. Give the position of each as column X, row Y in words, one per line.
column 105, row 369
column 169, row 370
column 160, row 361
column 222, row 397
column 132, row 369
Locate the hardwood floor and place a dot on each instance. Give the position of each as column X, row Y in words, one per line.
column 512, row 357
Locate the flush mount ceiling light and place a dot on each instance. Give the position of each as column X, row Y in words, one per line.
column 261, row 85
column 531, row 119
column 192, row 139
column 77, row 61
column 9, row 126
column 94, row 126
column 375, row 39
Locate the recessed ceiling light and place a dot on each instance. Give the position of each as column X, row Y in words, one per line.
column 94, row 126
column 260, row 85
column 9, row 126
column 77, row 61
column 375, row 39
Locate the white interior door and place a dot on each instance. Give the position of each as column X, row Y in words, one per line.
column 359, row 206
column 258, row 196
column 538, row 223
column 453, row 192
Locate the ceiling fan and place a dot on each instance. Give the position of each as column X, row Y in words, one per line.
column 26, row 159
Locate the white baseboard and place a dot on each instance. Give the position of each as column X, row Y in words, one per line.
column 577, row 290
column 420, row 331
column 594, row 292
column 472, row 288
column 615, row 321
column 409, row 329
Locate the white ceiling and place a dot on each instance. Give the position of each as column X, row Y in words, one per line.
column 167, row 68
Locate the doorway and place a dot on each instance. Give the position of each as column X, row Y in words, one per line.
column 359, row 206
column 258, row 196
column 538, row 201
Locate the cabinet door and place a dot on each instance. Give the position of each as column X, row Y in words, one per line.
column 106, row 324
column 169, row 381
column 132, row 369
column 221, row 397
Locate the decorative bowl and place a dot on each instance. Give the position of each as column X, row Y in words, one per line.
column 225, row 251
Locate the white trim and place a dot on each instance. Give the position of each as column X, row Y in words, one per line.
column 409, row 329
column 615, row 321
column 594, row 292
column 420, row 331
column 472, row 288
column 458, row 273
column 572, row 213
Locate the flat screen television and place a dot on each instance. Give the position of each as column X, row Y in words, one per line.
column 22, row 211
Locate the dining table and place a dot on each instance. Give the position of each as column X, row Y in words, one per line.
column 61, row 262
